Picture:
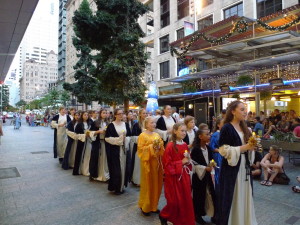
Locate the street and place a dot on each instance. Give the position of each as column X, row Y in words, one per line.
column 46, row 194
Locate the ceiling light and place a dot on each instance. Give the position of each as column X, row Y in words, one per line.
column 273, row 99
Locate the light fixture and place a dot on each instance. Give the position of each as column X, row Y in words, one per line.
column 276, row 82
column 299, row 93
column 273, row 99
column 210, row 103
column 191, row 106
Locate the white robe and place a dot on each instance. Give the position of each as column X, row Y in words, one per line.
column 242, row 208
column 103, row 172
column 136, row 175
column 61, row 141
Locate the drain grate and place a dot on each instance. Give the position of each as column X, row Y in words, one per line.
column 292, row 220
column 39, row 152
column 11, row 172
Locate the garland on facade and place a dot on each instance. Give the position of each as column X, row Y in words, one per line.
column 278, row 28
column 240, row 26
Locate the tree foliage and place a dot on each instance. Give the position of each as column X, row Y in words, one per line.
column 4, row 95
column 21, row 103
column 115, row 71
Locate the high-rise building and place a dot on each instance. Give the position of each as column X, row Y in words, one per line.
column 37, row 76
column 62, row 41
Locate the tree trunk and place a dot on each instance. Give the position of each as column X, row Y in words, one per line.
column 126, row 105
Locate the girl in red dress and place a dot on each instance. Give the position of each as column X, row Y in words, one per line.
column 177, row 184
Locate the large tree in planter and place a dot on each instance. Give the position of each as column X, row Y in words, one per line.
column 86, row 87
column 120, row 57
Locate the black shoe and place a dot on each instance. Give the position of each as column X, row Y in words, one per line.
column 214, row 220
column 200, row 221
column 163, row 221
column 119, row 192
column 146, row 213
column 60, row 160
column 157, row 211
column 91, row 179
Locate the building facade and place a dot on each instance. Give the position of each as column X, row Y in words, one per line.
column 164, row 24
column 37, row 76
column 62, row 40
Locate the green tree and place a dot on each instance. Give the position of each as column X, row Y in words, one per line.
column 53, row 97
column 4, row 95
column 21, row 103
column 86, row 87
column 120, row 57
column 64, row 97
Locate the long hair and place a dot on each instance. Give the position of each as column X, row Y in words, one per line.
column 174, row 137
column 81, row 116
column 140, row 121
column 188, row 119
column 229, row 117
column 197, row 140
column 217, row 126
column 99, row 122
column 74, row 121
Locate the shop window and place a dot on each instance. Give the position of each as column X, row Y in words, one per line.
column 180, row 33
column 164, row 13
column 205, row 22
column 164, row 69
column 164, row 44
column 182, row 8
column 180, row 65
column 267, row 7
column 234, row 10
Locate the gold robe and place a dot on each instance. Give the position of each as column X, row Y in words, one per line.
column 151, row 171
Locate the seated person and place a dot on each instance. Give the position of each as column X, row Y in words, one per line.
column 258, row 128
column 272, row 165
column 271, row 129
column 297, row 188
column 296, row 130
column 255, row 167
column 283, row 125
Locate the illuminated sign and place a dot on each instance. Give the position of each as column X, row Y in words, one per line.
column 184, row 71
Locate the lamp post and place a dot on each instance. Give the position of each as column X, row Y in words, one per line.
column 1, row 100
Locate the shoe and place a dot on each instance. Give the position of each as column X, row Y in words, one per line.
column 157, row 211
column 91, row 179
column 60, row 160
column 214, row 220
column 119, row 192
column 163, row 221
column 200, row 221
column 146, row 213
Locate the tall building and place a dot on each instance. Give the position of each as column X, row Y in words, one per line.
column 39, row 38
column 37, row 76
column 164, row 24
column 62, row 41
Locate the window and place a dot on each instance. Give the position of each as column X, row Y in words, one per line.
column 164, row 70
column 234, row 10
column 164, row 44
column 164, row 13
column 205, row 22
column 182, row 8
column 267, row 7
column 180, row 33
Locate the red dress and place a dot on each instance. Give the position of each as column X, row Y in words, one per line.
column 177, row 187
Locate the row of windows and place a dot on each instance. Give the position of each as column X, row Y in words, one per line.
column 264, row 8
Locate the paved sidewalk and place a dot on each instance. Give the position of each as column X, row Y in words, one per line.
column 46, row 194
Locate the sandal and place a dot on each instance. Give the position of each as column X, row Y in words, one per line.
column 296, row 189
column 269, row 183
column 263, row 182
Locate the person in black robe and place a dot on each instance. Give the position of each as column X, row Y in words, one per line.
column 93, row 165
column 235, row 176
column 165, row 123
column 117, row 150
column 54, row 122
column 80, row 130
column 71, row 128
column 202, row 182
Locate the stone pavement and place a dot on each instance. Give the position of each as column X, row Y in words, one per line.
column 45, row 194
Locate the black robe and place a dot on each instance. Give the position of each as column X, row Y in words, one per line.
column 113, row 161
column 136, row 131
column 199, row 186
column 93, row 165
column 187, row 140
column 161, row 124
column 79, row 149
column 56, row 118
column 228, row 174
column 65, row 163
